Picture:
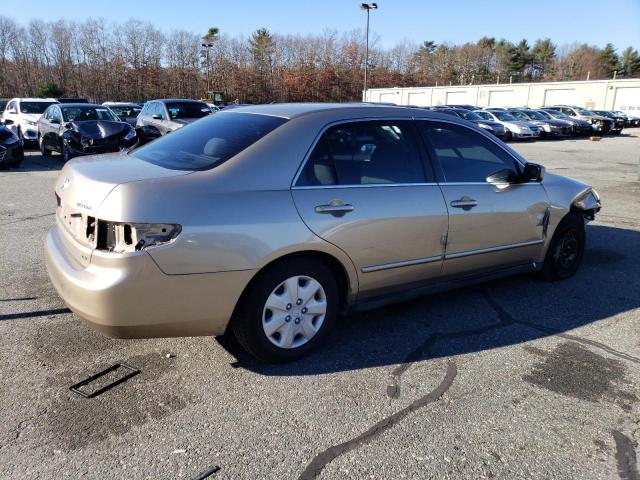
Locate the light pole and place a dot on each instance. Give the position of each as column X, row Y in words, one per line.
column 368, row 7
column 207, row 46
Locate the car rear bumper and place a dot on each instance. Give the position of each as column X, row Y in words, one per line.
column 128, row 296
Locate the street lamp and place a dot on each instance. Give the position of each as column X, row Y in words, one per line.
column 207, row 46
column 368, row 7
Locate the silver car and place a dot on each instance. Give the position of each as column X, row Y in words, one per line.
column 272, row 221
column 516, row 129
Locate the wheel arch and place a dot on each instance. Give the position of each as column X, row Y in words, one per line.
column 347, row 288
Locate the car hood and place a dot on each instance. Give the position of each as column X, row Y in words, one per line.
column 34, row 117
column 181, row 122
column 491, row 123
column 518, row 123
column 99, row 128
column 85, row 182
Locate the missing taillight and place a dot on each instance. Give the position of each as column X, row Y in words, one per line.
column 129, row 237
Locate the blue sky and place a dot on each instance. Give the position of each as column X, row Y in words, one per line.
column 457, row 21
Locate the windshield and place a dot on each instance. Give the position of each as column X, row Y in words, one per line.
column 34, row 107
column 485, row 115
column 187, row 110
column 126, row 111
column 505, row 117
column 81, row 114
column 586, row 113
column 208, row 143
column 470, row 115
column 535, row 115
column 520, row 115
column 557, row 114
column 545, row 115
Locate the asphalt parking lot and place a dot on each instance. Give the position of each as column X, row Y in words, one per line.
column 511, row 379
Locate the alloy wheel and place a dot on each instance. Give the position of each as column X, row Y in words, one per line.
column 294, row 312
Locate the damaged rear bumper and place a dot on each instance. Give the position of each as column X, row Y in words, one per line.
column 128, row 296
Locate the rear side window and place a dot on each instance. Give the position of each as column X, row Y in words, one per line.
column 365, row 153
column 465, row 155
column 208, row 142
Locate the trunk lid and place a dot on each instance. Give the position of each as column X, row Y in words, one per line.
column 83, row 185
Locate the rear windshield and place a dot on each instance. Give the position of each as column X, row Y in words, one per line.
column 208, row 142
column 34, row 107
column 187, row 109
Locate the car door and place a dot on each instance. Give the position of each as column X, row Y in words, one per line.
column 365, row 189
column 44, row 126
column 55, row 129
column 492, row 224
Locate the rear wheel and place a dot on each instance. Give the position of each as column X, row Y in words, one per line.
column 566, row 249
column 508, row 136
column 287, row 311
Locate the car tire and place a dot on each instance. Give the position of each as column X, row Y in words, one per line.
column 508, row 136
column 566, row 249
column 66, row 153
column 270, row 298
column 44, row 151
column 18, row 160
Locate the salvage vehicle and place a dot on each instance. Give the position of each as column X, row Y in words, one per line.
column 516, row 129
column 619, row 121
column 127, row 112
column 629, row 120
column 578, row 127
column 159, row 117
column 548, row 128
column 599, row 124
column 11, row 149
column 75, row 129
column 21, row 116
column 269, row 222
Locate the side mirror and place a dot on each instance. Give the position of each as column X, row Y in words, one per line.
column 533, row 172
column 8, row 122
column 68, row 125
column 155, row 116
column 504, row 176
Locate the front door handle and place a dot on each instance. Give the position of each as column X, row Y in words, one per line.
column 465, row 203
column 335, row 209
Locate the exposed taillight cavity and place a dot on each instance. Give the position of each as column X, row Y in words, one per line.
column 130, row 237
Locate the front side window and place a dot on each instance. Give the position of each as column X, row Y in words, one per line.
column 365, row 153
column 465, row 155
column 208, row 143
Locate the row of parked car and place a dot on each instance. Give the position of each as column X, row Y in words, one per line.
column 548, row 122
column 74, row 127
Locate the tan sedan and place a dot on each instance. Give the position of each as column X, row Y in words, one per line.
column 272, row 221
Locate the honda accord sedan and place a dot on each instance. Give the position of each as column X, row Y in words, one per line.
column 271, row 222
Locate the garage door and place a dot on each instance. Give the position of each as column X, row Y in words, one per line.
column 560, row 96
column 460, row 98
column 502, row 98
column 421, row 99
column 628, row 101
column 392, row 97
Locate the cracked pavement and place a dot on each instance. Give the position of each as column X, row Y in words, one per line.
column 510, row 379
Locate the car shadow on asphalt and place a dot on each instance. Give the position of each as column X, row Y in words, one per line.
column 35, row 162
column 492, row 315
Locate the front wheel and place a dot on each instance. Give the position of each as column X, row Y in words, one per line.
column 287, row 311
column 66, row 153
column 566, row 249
column 43, row 150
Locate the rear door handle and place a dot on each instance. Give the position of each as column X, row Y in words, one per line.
column 466, row 203
column 335, row 209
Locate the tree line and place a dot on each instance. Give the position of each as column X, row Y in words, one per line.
column 135, row 61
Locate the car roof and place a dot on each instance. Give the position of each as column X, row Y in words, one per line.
column 339, row 110
column 21, row 99
column 164, row 100
column 83, row 105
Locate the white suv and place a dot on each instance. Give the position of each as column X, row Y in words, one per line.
column 21, row 116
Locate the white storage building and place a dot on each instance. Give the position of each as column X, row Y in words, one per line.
column 621, row 95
